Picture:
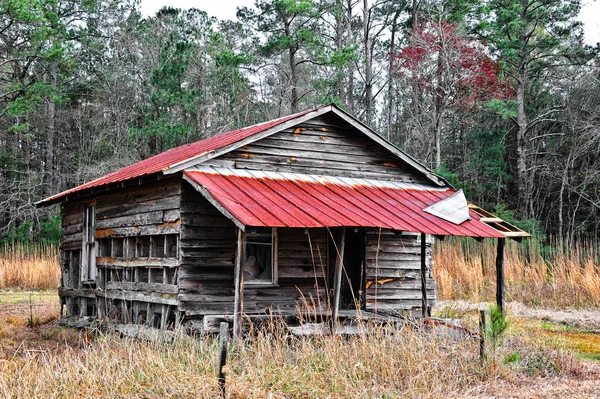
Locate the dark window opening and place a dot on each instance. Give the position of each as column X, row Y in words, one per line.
column 143, row 247
column 259, row 262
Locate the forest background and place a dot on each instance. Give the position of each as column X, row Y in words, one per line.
column 501, row 97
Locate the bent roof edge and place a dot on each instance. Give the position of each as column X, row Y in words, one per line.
column 178, row 158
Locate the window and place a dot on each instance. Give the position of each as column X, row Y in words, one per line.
column 260, row 265
column 88, row 264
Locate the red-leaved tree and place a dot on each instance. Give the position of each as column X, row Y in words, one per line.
column 450, row 75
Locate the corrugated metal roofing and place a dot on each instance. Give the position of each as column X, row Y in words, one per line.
column 296, row 200
column 177, row 155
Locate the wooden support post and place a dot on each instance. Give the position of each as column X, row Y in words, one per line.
column 337, row 282
column 426, row 311
column 222, row 355
column 238, row 307
column 482, row 335
column 500, row 274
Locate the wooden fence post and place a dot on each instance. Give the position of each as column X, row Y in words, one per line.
column 222, row 355
column 500, row 274
column 482, row 335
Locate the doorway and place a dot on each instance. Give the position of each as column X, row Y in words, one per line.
column 353, row 276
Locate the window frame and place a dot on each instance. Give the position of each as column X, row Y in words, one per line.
column 274, row 260
column 88, row 250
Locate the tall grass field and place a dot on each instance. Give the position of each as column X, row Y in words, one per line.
column 557, row 276
column 44, row 360
column 32, row 267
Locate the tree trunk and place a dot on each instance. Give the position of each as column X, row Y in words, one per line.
column 415, row 13
column 294, row 80
column 292, row 64
column 368, row 65
column 523, row 190
column 50, row 130
column 350, row 42
column 390, row 76
column 561, row 194
column 339, row 44
column 439, row 110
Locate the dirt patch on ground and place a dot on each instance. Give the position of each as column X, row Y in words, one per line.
column 28, row 325
column 537, row 388
column 588, row 320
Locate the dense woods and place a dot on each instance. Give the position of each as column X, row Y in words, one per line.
column 499, row 96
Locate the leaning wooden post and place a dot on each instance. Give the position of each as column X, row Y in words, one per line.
column 337, row 283
column 482, row 335
column 222, row 355
column 238, row 307
column 500, row 274
column 424, row 304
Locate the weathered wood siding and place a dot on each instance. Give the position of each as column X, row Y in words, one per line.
column 325, row 146
column 73, row 294
column 137, row 234
column 208, row 243
column 394, row 271
column 302, row 266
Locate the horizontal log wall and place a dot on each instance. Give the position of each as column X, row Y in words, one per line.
column 394, row 271
column 126, row 218
column 301, row 270
column 208, row 241
column 325, row 146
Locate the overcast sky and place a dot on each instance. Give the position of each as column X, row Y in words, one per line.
column 226, row 9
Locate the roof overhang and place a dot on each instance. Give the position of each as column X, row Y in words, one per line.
column 252, row 198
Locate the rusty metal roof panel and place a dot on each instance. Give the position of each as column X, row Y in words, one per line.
column 176, row 156
column 270, row 199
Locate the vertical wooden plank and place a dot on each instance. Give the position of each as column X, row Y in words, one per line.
column 500, row 274
column 424, row 304
column 164, row 315
column 238, row 307
column 275, row 246
column 339, row 264
column 363, row 271
column 222, row 355
column 82, row 307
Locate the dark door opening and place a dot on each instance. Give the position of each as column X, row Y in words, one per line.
column 353, row 276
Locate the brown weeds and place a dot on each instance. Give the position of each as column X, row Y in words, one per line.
column 29, row 267
column 567, row 276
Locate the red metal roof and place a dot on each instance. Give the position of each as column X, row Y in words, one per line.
column 295, row 200
column 177, row 155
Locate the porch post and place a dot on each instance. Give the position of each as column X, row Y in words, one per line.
column 337, row 282
column 500, row 274
column 238, row 307
column 425, row 304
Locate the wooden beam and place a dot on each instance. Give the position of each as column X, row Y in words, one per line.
column 339, row 264
column 500, row 274
column 238, row 307
column 426, row 312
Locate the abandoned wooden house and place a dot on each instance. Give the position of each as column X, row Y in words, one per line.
column 312, row 212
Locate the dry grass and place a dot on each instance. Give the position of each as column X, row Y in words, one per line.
column 51, row 361
column 568, row 277
column 32, row 268
column 385, row 364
